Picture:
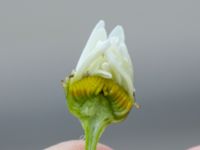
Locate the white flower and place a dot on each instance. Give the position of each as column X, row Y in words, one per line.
column 107, row 56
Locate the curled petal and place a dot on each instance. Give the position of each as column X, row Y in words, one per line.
column 103, row 73
column 126, row 80
column 124, row 52
column 98, row 51
column 98, row 34
column 118, row 31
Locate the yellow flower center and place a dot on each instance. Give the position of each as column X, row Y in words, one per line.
column 89, row 87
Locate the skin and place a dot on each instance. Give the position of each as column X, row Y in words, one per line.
column 195, row 148
column 75, row 145
column 79, row 145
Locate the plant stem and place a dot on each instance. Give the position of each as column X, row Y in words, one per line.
column 93, row 130
column 97, row 116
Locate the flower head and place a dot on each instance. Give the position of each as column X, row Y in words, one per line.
column 100, row 90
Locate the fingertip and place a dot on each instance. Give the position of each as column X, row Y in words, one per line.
column 195, row 148
column 75, row 145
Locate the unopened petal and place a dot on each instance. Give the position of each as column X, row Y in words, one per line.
column 125, row 54
column 115, row 63
column 118, row 31
column 103, row 73
column 98, row 34
column 98, row 51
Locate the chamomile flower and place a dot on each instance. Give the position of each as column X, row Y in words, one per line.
column 100, row 89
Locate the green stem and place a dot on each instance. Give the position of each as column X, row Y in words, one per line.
column 93, row 131
column 96, row 116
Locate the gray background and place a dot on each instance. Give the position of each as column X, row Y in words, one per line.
column 41, row 41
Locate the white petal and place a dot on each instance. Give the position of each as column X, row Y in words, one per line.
column 105, row 66
column 114, row 41
column 95, row 65
column 117, row 66
column 98, row 51
column 125, row 54
column 118, row 31
column 103, row 73
column 98, row 34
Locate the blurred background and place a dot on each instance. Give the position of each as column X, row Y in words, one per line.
column 41, row 41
